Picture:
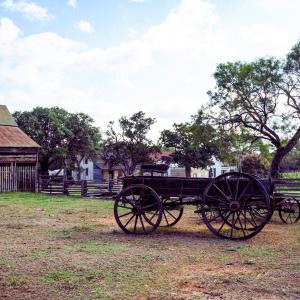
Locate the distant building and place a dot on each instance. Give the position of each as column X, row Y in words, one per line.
column 214, row 170
column 18, row 156
column 87, row 170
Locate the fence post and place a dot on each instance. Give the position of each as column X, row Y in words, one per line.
column 65, row 186
column 83, row 188
column 110, row 184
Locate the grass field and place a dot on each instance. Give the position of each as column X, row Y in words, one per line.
column 71, row 248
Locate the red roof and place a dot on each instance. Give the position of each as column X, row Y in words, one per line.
column 11, row 136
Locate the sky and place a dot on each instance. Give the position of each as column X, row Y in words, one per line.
column 110, row 58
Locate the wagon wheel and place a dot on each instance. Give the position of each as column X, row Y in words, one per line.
column 289, row 211
column 239, row 203
column 172, row 212
column 138, row 209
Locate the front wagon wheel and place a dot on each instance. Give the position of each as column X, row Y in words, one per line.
column 138, row 209
column 239, row 203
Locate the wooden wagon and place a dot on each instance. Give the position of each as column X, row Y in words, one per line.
column 233, row 205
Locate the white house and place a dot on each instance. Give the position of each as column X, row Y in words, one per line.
column 87, row 173
column 215, row 170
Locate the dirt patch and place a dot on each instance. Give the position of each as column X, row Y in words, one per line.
column 72, row 249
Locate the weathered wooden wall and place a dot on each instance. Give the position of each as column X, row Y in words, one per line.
column 18, row 178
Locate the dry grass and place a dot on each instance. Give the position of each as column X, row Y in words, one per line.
column 70, row 248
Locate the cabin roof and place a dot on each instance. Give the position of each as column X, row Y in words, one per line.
column 6, row 118
column 11, row 136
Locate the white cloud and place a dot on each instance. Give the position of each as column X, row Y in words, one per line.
column 85, row 26
column 28, row 9
column 72, row 3
column 166, row 71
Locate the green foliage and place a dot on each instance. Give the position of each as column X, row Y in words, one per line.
column 62, row 135
column 130, row 146
column 290, row 175
column 193, row 144
column 251, row 97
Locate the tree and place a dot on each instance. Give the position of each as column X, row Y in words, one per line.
column 128, row 147
column 47, row 127
column 193, row 143
column 253, row 164
column 262, row 97
column 84, row 140
column 61, row 135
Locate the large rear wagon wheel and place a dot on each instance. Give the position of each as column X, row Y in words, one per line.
column 138, row 209
column 240, row 204
column 289, row 210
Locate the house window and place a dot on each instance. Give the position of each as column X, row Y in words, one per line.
column 86, row 172
column 212, row 172
column 223, row 171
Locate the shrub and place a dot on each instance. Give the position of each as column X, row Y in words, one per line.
column 253, row 164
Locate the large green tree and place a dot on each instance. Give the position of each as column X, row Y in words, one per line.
column 128, row 146
column 62, row 136
column 194, row 143
column 83, row 141
column 262, row 97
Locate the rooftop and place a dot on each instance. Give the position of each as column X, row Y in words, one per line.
column 11, row 136
column 6, row 118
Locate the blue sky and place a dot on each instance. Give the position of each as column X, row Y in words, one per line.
column 110, row 58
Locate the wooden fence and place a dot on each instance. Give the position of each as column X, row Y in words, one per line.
column 14, row 178
column 59, row 185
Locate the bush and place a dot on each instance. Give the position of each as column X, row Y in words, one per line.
column 253, row 164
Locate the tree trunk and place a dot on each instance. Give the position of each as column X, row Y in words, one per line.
column 44, row 164
column 276, row 161
column 188, row 171
column 281, row 153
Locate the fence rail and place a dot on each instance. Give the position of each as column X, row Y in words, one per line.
column 60, row 185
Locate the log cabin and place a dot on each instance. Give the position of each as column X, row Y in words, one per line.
column 18, row 156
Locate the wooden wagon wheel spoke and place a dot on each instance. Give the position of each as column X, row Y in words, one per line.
column 217, row 198
column 165, row 218
column 129, row 213
column 233, row 224
column 135, row 223
column 228, row 187
column 129, row 221
column 221, row 192
column 219, row 230
column 171, row 214
column 247, row 219
column 243, row 230
column 155, row 214
column 237, row 188
column 141, row 219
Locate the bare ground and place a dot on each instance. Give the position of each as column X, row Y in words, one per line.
column 71, row 248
